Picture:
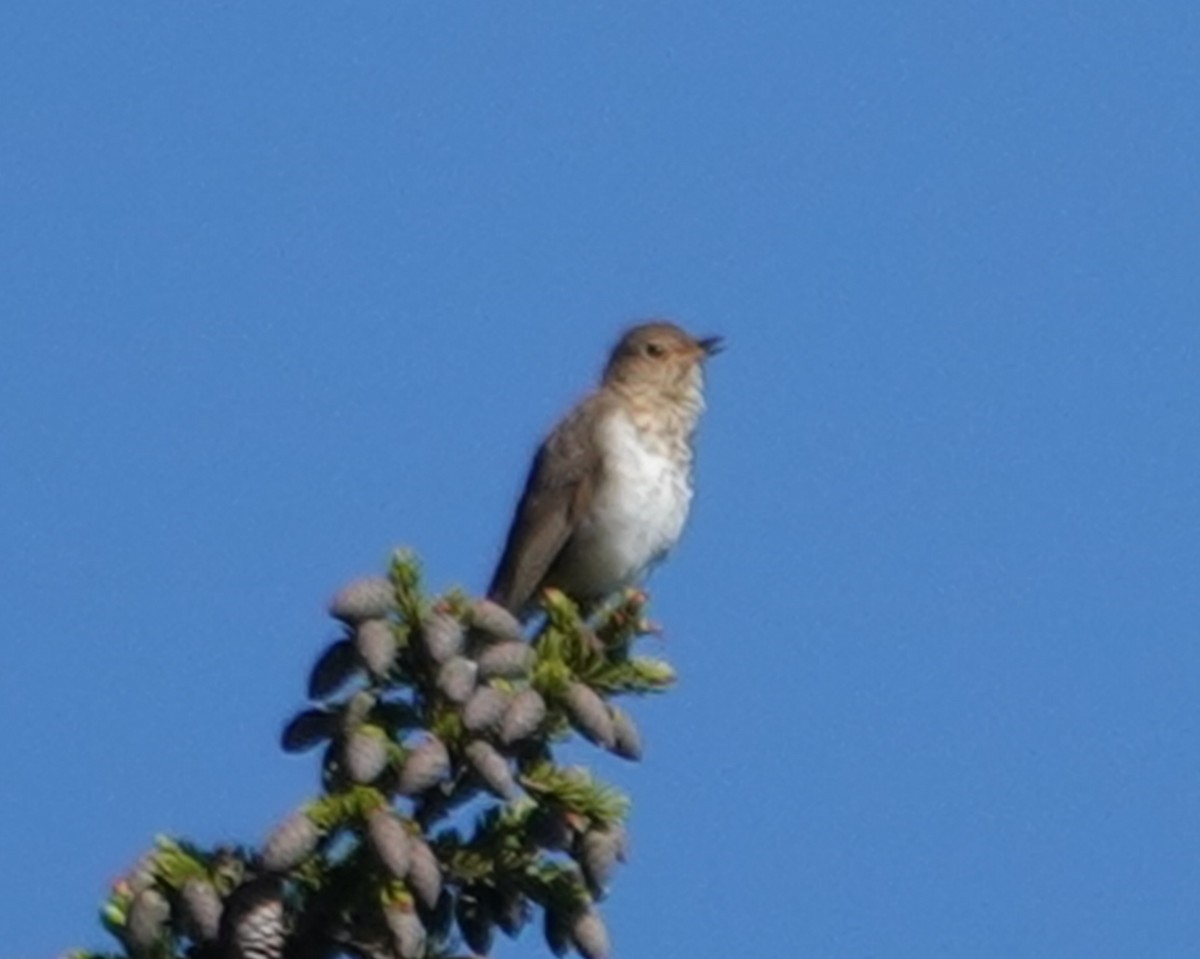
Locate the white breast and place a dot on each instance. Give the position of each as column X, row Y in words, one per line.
column 637, row 514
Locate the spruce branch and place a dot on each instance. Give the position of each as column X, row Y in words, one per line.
column 427, row 708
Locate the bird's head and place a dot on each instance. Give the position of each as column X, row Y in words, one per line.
column 660, row 356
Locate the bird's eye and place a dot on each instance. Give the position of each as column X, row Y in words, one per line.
column 655, row 350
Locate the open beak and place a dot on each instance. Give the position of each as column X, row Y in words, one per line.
column 712, row 345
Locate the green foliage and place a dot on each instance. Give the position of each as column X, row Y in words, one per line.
column 444, row 814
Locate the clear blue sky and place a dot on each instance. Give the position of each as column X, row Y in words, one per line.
column 285, row 285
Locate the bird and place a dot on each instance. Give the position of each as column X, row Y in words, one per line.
column 609, row 490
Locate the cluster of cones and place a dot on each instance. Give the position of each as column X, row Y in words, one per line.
column 444, row 815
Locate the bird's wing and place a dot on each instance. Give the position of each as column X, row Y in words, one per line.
column 558, row 490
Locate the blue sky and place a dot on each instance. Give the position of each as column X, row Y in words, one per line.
column 284, row 286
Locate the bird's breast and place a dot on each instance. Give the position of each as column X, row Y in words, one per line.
column 638, row 510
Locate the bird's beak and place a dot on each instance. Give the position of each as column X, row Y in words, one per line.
column 711, row 345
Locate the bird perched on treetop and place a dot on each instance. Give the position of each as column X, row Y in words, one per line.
column 609, row 490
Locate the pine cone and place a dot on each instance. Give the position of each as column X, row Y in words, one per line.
column 475, row 922
column 424, row 873
column 252, row 926
column 371, row 598
column 146, row 921
column 456, row 679
column 589, row 935
column 427, row 765
column 495, row 623
column 202, row 909
column 365, row 754
column 290, row 843
column 307, row 729
column 589, row 714
column 507, row 660
column 142, row 874
column 523, row 716
column 598, row 851
column 375, row 643
column 408, row 932
column 627, row 740
column 390, row 840
column 556, row 930
column 484, row 710
column 332, row 670
column 441, row 636
column 492, row 769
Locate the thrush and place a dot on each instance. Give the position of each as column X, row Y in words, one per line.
column 609, row 490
